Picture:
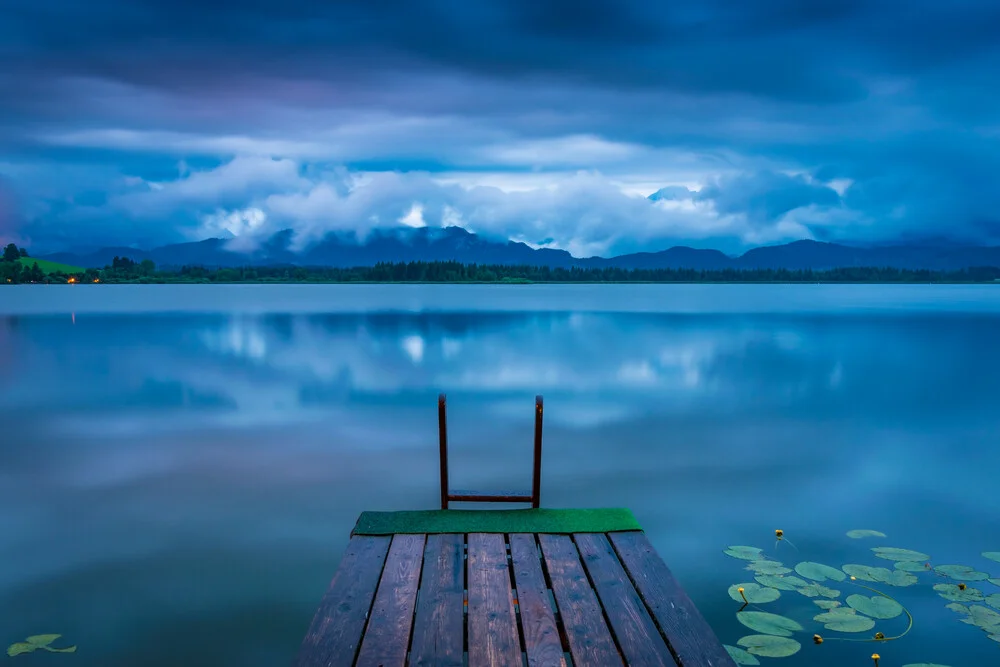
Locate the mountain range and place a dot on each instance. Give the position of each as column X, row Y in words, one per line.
column 428, row 244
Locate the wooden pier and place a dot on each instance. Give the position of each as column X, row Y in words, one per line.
column 498, row 588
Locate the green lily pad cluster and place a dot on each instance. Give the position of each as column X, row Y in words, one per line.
column 775, row 634
column 38, row 642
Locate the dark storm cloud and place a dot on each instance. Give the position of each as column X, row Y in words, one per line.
column 856, row 120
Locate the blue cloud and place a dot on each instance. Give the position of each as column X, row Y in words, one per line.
column 750, row 122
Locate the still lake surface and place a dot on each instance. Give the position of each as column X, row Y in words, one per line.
column 180, row 466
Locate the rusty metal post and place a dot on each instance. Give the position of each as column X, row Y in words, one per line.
column 536, row 478
column 443, row 440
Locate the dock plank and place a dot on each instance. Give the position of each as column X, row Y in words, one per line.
column 438, row 627
column 590, row 641
column 639, row 639
column 493, row 634
column 387, row 637
column 690, row 637
column 541, row 635
column 335, row 632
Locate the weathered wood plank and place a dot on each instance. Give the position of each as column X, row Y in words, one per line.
column 335, row 631
column 387, row 636
column 541, row 636
column 493, row 635
column 590, row 641
column 638, row 637
column 438, row 626
column 690, row 637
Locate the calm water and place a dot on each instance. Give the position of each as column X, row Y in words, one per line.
column 180, row 466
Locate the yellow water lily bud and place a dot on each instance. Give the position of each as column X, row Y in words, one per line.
column 817, row 639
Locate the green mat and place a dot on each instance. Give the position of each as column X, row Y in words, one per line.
column 497, row 521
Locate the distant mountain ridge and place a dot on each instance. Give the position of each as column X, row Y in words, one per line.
column 457, row 244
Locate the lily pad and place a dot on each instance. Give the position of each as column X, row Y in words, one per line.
column 858, row 534
column 880, row 575
column 993, row 600
column 768, row 567
column 780, row 582
column 961, row 572
column 955, row 594
column 744, row 553
column 992, row 555
column 36, row 642
column 769, row 624
column 740, row 656
column 819, row 572
column 982, row 617
column 827, row 604
column 755, row 593
column 877, row 606
column 770, row 646
column 19, row 648
column 985, row 618
column 844, row 620
column 42, row 640
column 892, row 553
column 818, row 590
column 912, row 566
column 995, row 581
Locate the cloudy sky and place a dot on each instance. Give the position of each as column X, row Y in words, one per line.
column 143, row 122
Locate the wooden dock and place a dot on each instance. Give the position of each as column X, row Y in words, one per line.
column 499, row 588
column 447, row 600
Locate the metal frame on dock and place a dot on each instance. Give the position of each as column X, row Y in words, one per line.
column 463, row 496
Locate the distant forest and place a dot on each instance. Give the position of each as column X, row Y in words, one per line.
column 125, row 270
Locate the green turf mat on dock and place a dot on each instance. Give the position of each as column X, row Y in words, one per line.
column 497, row 521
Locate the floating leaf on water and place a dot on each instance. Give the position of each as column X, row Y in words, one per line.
column 912, row 566
column 900, row 578
column 866, row 572
column 858, row 534
column 769, row 624
column 42, row 640
column 880, row 575
column 961, row 572
column 983, row 617
column 755, row 593
column 892, row 553
column 740, row 656
column 877, row 606
column 995, row 637
column 71, row 649
column 992, row 555
column 957, row 608
column 780, row 582
column 744, row 553
column 955, row 594
column 844, row 620
column 993, row 600
column 819, row 572
column 995, row 582
column 827, row 604
column 20, row 647
column 768, row 567
column 770, row 646
column 818, row 590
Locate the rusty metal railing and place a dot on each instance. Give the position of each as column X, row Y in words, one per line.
column 448, row 495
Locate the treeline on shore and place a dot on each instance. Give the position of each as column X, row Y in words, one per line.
column 125, row 270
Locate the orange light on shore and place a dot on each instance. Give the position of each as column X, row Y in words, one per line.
column 97, row 280
column 71, row 280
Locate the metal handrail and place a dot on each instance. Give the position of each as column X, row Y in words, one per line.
column 447, row 495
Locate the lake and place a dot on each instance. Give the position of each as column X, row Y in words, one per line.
column 181, row 466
